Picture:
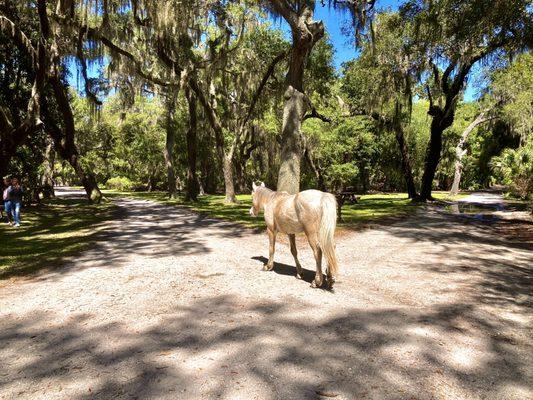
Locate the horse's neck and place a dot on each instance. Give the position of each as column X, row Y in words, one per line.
column 266, row 195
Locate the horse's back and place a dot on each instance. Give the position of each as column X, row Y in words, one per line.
column 311, row 198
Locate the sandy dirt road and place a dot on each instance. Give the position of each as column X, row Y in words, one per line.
column 172, row 305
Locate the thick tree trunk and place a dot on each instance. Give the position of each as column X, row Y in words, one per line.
column 406, row 163
column 432, row 158
column 291, row 146
column 47, row 181
column 192, row 179
column 169, row 148
column 305, row 33
column 442, row 118
column 227, row 169
column 460, row 151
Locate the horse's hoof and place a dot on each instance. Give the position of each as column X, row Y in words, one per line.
column 314, row 285
column 298, row 276
column 267, row 267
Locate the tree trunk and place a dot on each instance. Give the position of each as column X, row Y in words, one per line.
column 460, row 151
column 227, row 169
column 226, row 160
column 201, row 191
column 316, row 170
column 291, row 147
column 432, row 158
column 442, row 118
column 65, row 145
column 192, row 179
column 47, row 181
column 305, row 33
column 169, row 148
column 406, row 162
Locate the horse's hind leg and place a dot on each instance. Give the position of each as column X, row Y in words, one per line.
column 294, row 251
column 272, row 239
column 330, row 279
column 313, row 242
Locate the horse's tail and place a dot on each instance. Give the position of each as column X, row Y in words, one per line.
column 326, row 232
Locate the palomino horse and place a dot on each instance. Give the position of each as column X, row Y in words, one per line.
column 311, row 211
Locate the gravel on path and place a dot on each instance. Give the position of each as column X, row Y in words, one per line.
column 169, row 304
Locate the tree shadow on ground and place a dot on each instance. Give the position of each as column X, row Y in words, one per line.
column 497, row 262
column 50, row 233
column 136, row 227
column 216, row 347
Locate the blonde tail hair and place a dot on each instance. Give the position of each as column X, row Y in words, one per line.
column 326, row 232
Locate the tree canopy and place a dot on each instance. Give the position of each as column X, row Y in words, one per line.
column 208, row 96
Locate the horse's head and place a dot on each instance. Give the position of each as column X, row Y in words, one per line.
column 256, row 206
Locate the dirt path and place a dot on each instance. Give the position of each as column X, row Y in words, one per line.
column 173, row 305
column 492, row 204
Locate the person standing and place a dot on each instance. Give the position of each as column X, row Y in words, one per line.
column 5, row 198
column 15, row 197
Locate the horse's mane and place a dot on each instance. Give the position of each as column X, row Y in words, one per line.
column 265, row 194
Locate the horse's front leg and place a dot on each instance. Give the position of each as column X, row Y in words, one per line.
column 294, row 251
column 272, row 239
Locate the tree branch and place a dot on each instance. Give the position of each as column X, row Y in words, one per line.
column 446, row 77
column 315, row 114
column 9, row 27
column 96, row 35
column 262, row 85
column 79, row 52
column 283, row 8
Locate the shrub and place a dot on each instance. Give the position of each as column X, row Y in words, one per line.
column 515, row 169
column 119, row 183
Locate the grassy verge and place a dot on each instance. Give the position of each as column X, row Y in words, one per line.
column 211, row 205
column 49, row 232
column 369, row 207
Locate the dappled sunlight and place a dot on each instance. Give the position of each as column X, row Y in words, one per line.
column 216, row 346
column 49, row 234
column 172, row 304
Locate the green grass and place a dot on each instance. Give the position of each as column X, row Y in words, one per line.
column 373, row 207
column 49, row 233
column 369, row 207
column 445, row 196
column 212, row 205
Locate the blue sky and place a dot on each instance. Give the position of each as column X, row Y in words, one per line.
column 333, row 20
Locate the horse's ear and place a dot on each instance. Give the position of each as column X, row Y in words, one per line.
column 254, row 186
column 262, row 184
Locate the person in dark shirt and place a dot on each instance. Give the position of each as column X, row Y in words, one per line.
column 15, row 197
column 5, row 199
